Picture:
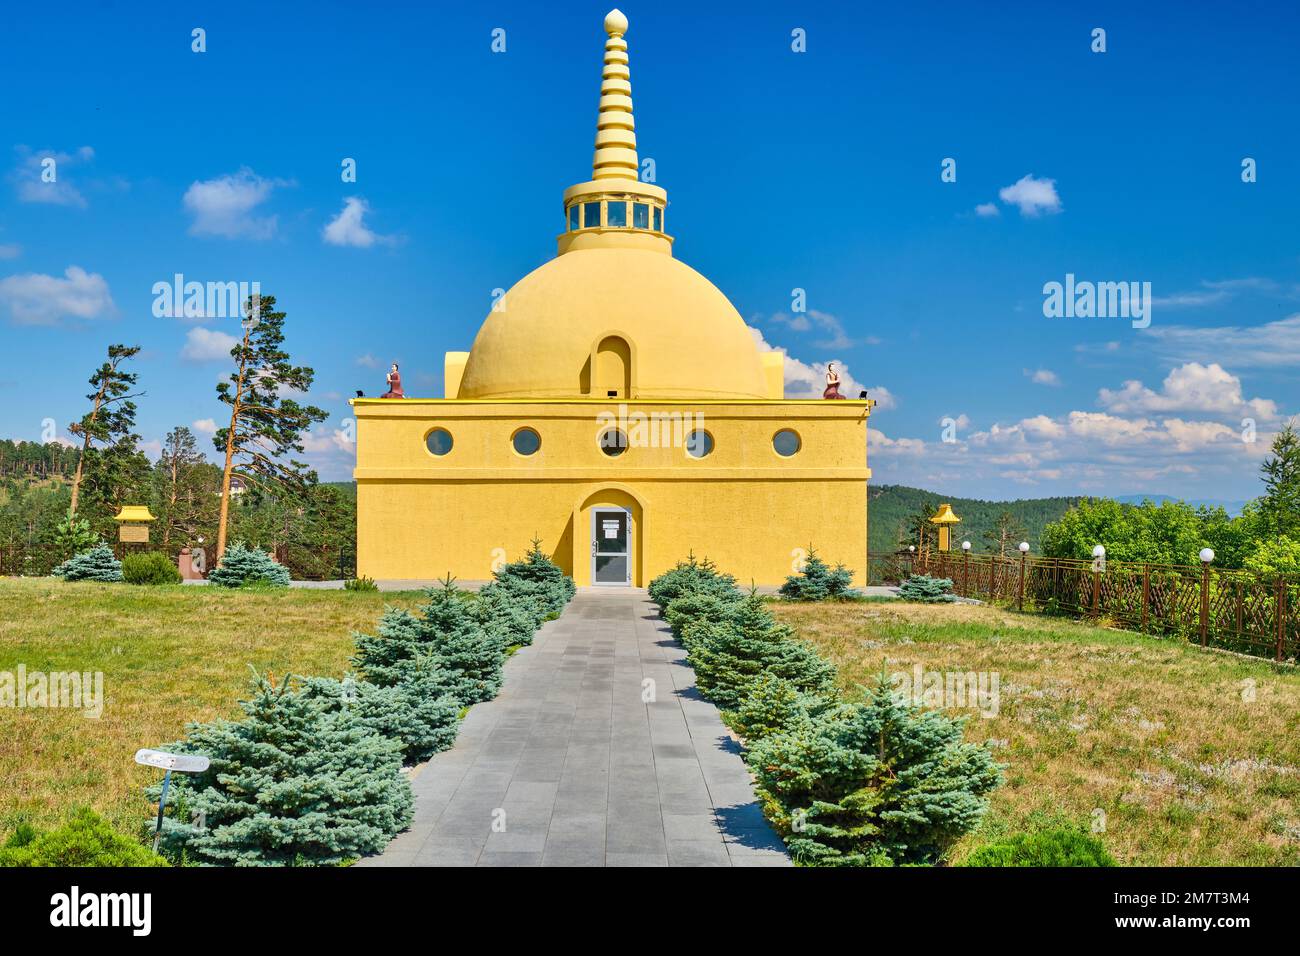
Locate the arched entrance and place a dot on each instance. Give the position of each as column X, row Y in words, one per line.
column 608, row 540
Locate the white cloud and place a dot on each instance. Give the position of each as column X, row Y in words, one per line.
column 803, row 380
column 1031, row 196
column 368, row 361
column 1271, row 344
column 206, row 345
column 986, row 210
column 10, row 250
column 225, row 206
column 1040, row 426
column 30, row 175
column 322, row 441
column 205, row 426
column 36, row 299
column 834, row 336
column 882, row 396
column 1190, row 387
column 877, row 440
column 348, row 228
column 1215, row 292
column 1043, row 376
column 1195, row 436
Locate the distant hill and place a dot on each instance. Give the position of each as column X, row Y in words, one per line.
column 889, row 506
column 349, row 488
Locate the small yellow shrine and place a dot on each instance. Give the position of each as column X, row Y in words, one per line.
column 615, row 405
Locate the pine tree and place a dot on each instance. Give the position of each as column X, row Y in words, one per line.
column 242, row 565
column 1279, row 508
column 694, row 610
column 420, row 715
column 512, row 616
column 817, row 581
column 774, row 705
column 111, row 418
column 882, row 782
column 73, row 535
column 689, row 575
column 97, row 564
column 922, row 587
column 462, row 645
column 1006, row 533
column 299, row 780
column 264, row 426
column 447, row 647
column 182, row 502
column 728, row 655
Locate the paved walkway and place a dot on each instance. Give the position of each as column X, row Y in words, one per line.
column 570, row 767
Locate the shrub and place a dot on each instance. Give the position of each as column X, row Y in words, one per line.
column 922, row 587
column 538, row 576
column 817, row 581
column 463, row 646
column 695, row 609
column 151, row 567
column 419, row 714
column 514, row 616
column 85, row 840
column 97, row 564
column 774, row 705
column 689, row 575
column 362, row 583
column 729, row 654
column 448, row 636
column 241, row 566
column 299, row 780
column 1060, row 846
column 881, row 782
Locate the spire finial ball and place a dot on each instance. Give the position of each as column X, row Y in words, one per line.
column 615, row 23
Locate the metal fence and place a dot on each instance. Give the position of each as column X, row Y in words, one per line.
column 1238, row 610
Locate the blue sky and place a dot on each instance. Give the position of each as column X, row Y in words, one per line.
column 818, row 170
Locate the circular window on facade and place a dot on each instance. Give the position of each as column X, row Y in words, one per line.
column 439, row 441
column 613, row 442
column 786, row 442
column 526, row 441
column 699, row 444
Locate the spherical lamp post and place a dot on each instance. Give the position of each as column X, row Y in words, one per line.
column 1024, row 554
column 1207, row 557
column 965, row 569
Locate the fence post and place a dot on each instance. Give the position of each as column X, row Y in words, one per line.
column 1281, row 617
column 1205, row 599
column 1146, row 596
column 1020, row 600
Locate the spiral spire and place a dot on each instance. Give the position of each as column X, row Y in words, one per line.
column 615, row 127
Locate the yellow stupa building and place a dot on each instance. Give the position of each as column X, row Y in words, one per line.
column 615, row 405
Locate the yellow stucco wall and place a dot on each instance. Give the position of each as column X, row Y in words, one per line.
column 421, row 516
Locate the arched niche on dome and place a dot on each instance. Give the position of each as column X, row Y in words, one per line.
column 610, row 371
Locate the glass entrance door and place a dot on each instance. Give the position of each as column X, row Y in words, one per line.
column 611, row 546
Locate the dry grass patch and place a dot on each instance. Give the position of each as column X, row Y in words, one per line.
column 169, row 655
column 1192, row 756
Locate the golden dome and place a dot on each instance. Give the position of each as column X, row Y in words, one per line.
column 547, row 335
column 614, row 315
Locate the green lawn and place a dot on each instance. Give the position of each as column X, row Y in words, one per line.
column 169, row 655
column 1192, row 756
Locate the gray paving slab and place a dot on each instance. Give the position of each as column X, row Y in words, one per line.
column 571, row 765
